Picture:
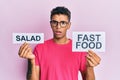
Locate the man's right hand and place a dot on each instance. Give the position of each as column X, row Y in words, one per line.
column 25, row 51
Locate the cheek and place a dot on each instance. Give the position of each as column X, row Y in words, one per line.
column 65, row 30
column 52, row 29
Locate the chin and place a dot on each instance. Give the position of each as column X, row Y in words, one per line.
column 58, row 37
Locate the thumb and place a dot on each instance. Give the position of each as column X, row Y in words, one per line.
column 31, row 56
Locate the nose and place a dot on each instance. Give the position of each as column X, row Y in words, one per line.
column 58, row 26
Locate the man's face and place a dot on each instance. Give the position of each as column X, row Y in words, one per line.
column 59, row 24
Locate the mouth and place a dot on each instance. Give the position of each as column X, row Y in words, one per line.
column 58, row 32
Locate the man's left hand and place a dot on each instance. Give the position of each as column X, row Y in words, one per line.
column 92, row 59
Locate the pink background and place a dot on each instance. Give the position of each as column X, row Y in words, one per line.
column 33, row 16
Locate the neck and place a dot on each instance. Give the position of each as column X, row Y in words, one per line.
column 61, row 40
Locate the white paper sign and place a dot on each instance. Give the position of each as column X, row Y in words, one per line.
column 34, row 38
column 84, row 41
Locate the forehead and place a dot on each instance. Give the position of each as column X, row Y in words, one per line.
column 60, row 17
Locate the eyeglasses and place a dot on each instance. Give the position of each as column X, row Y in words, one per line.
column 55, row 23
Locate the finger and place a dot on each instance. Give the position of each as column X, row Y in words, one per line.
column 26, row 53
column 31, row 56
column 24, row 49
column 91, row 55
column 94, row 58
column 21, row 47
column 89, row 63
column 94, row 55
column 91, row 59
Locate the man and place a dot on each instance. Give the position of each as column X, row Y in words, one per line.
column 54, row 59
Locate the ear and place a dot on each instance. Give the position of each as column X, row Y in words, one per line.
column 50, row 25
column 69, row 25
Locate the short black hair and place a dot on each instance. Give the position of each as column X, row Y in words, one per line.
column 61, row 10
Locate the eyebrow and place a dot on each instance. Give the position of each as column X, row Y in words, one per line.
column 60, row 21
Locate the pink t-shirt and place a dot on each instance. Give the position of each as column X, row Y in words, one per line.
column 58, row 62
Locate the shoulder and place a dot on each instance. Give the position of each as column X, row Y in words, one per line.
column 46, row 42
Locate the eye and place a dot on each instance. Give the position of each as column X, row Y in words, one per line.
column 63, row 23
column 54, row 22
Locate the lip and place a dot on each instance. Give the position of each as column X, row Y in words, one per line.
column 58, row 32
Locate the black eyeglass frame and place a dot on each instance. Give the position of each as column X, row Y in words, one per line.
column 55, row 23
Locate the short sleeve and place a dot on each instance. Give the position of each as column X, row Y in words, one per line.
column 83, row 61
column 37, row 52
